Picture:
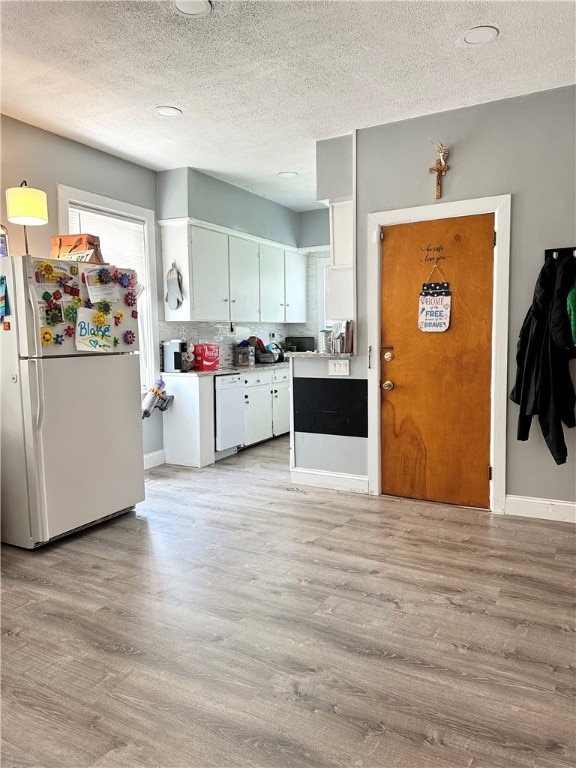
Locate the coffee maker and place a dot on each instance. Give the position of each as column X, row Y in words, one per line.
column 172, row 352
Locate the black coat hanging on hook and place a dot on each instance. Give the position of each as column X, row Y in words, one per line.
column 543, row 385
column 434, row 305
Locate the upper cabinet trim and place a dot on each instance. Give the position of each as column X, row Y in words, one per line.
column 233, row 233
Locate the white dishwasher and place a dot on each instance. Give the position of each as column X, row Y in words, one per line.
column 229, row 398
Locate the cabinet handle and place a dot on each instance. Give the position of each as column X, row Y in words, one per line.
column 281, row 305
column 245, row 397
column 275, row 391
column 287, row 305
column 233, row 301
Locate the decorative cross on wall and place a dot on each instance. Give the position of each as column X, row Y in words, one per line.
column 440, row 167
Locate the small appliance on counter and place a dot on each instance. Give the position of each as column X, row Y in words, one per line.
column 244, row 357
column 173, row 353
column 300, row 343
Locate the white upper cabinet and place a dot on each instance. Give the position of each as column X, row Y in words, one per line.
column 342, row 234
column 339, row 293
column 210, row 285
column 295, row 292
column 244, row 280
column 227, row 278
column 271, row 284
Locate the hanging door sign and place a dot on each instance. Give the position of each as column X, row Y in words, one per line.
column 434, row 307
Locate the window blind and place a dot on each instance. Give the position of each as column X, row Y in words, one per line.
column 123, row 244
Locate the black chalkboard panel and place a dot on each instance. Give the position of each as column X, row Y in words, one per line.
column 331, row 406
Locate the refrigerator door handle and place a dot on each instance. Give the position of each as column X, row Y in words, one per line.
column 35, row 331
column 39, row 395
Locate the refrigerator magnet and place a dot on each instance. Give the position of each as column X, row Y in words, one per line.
column 70, row 313
column 118, row 317
column 105, row 276
column 130, row 299
column 99, row 319
column 46, row 336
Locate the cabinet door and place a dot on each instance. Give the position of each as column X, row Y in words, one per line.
column 342, row 233
column 339, row 293
column 209, row 257
column 258, row 413
column 295, row 271
column 280, row 408
column 271, row 284
column 244, row 280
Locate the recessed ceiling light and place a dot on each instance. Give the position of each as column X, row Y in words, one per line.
column 287, row 174
column 169, row 111
column 193, row 9
column 478, row 36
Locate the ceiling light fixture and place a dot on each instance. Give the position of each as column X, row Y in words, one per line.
column 169, row 111
column 192, row 9
column 478, row 36
column 287, row 174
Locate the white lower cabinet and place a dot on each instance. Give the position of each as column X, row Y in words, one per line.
column 267, row 404
column 189, row 422
column 258, row 405
column 280, row 408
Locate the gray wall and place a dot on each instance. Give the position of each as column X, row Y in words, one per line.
column 46, row 160
column 334, row 168
column 218, row 202
column 523, row 146
column 314, row 228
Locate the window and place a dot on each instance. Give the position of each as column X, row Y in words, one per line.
column 126, row 235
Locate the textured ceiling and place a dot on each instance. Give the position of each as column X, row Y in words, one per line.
column 260, row 81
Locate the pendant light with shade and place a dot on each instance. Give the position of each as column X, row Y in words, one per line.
column 26, row 206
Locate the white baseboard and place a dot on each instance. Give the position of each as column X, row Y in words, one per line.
column 154, row 459
column 546, row 509
column 335, row 480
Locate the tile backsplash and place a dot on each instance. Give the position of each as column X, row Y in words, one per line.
column 219, row 333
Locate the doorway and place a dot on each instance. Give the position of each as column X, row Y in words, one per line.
column 435, row 362
column 385, row 420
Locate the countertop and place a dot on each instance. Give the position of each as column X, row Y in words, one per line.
column 226, row 371
column 314, row 355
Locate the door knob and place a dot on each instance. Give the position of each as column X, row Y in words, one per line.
column 388, row 356
column 388, row 385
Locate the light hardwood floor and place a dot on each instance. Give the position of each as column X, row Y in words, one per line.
column 234, row 620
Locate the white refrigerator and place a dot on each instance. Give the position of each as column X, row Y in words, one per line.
column 71, row 425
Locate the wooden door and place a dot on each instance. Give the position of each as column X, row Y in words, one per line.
column 435, row 421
